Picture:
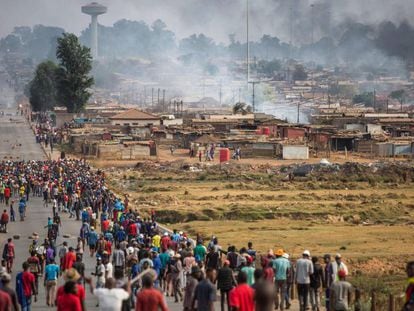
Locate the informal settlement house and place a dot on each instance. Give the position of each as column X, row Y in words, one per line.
column 135, row 117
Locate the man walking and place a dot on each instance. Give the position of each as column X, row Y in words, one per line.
column 281, row 267
column 341, row 293
column 315, row 284
column 50, row 282
column 304, row 269
column 409, row 293
column 25, row 288
column 149, row 298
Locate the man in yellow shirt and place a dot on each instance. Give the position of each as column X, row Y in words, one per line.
column 156, row 241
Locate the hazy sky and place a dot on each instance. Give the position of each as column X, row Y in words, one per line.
column 216, row 18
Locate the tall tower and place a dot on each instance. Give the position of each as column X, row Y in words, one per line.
column 94, row 9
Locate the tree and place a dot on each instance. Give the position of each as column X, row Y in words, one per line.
column 75, row 63
column 42, row 89
column 366, row 98
column 299, row 74
column 398, row 95
column 242, row 108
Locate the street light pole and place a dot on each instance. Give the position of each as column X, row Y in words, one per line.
column 253, row 95
column 248, row 44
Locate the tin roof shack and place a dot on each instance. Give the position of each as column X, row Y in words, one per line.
column 128, row 150
column 135, row 117
column 398, row 127
column 295, row 152
column 292, row 132
column 251, row 147
column 344, row 140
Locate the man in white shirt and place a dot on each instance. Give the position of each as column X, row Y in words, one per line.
column 304, row 269
column 337, row 266
column 110, row 298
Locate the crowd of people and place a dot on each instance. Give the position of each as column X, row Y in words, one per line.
column 139, row 263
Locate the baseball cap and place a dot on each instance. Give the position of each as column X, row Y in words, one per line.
column 338, row 256
column 342, row 273
column 306, row 253
column 279, row 252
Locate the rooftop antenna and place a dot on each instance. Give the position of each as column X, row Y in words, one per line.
column 94, row 9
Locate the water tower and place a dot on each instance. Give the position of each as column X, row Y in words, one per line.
column 94, row 9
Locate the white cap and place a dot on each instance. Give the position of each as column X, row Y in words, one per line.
column 306, row 252
column 285, row 255
column 165, row 233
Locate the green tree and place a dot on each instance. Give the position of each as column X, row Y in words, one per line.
column 398, row 95
column 75, row 63
column 299, row 74
column 42, row 89
column 366, row 98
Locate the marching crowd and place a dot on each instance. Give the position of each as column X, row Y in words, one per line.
column 138, row 263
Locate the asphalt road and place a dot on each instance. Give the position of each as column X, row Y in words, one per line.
column 14, row 130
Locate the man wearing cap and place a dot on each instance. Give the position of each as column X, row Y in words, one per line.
column 99, row 273
column 340, row 294
column 304, row 269
column 281, row 268
column 249, row 270
column 337, row 266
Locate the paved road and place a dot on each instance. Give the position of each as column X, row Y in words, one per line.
column 13, row 133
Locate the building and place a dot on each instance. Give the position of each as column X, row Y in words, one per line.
column 135, row 117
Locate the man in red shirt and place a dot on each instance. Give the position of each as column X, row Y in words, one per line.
column 149, row 298
column 26, row 287
column 69, row 259
column 105, row 225
column 165, row 241
column 242, row 296
column 72, row 275
column 132, row 230
column 5, row 301
column 4, row 220
column 8, row 254
column 34, row 267
column 7, row 194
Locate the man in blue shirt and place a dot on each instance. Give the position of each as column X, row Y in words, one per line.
column 51, row 275
column 92, row 240
column 281, row 266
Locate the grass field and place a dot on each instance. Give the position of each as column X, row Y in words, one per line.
column 363, row 215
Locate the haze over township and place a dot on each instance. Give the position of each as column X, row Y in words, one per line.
column 215, row 18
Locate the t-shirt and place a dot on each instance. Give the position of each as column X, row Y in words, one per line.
column 165, row 258
column 205, row 292
column 108, row 270
column 150, row 299
column 80, row 292
column 28, row 279
column 68, row 302
column 200, row 252
column 304, row 268
column 110, row 299
column 340, row 291
column 70, row 258
column 242, row 297
column 52, row 272
column 5, row 301
column 156, row 240
column 281, row 265
column 250, row 274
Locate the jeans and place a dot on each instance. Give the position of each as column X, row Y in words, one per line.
column 327, row 293
column 303, row 292
column 315, row 298
column 222, row 294
column 280, row 286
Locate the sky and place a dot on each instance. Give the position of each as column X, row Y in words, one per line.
column 215, row 18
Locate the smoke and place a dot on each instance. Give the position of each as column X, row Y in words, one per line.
column 286, row 19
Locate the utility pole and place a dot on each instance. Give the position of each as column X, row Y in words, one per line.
column 297, row 121
column 152, row 97
column 239, row 94
column 220, row 94
column 253, row 95
column 374, row 100
column 248, row 44
column 145, row 96
column 163, row 100
column 158, row 98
